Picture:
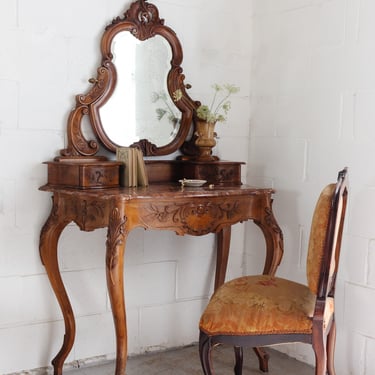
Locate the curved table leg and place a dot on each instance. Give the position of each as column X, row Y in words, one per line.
column 49, row 236
column 116, row 239
column 274, row 253
column 274, row 240
column 223, row 243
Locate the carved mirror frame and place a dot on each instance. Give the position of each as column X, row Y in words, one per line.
column 142, row 20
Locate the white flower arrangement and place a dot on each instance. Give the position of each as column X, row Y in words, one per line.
column 220, row 105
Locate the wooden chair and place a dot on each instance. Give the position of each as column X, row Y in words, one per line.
column 257, row 311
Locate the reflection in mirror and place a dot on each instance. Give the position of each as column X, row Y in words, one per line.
column 140, row 106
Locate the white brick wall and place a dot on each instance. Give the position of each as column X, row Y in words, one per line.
column 312, row 99
column 307, row 69
column 48, row 52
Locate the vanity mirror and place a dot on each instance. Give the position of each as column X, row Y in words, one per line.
column 139, row 98
column 131, row 100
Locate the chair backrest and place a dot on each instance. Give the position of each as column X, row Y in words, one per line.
column 325, row 237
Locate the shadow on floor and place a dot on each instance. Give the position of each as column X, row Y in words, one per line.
column 185, row 361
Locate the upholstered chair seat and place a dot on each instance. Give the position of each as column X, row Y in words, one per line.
column 255, row 305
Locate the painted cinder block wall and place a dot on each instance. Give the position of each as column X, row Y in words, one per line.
column 312, row 113
column 49, row 50
column 307, row 77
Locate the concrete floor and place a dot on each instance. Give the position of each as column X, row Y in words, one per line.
column 185, row 361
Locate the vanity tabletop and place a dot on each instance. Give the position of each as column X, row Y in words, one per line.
column 159, row 191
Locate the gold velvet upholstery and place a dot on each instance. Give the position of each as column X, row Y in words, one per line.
column 264, row 309
column 255, row 305
column 318, row 236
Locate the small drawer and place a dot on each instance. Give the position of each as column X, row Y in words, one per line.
column 84, row 175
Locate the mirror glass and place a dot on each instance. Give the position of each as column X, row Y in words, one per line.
column 140, row 106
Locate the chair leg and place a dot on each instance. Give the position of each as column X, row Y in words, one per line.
column 263, row 357
column 205, row 354
column 319, row 347
column 238, row 351
column 331, row 340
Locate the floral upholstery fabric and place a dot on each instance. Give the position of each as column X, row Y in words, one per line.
column 317, row 237
column 263, row 304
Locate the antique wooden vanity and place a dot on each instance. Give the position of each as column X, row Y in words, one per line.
column 141, row 64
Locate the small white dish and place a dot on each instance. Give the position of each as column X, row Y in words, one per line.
column 192, row 183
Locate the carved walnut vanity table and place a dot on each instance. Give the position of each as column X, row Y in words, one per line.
column 86, row 185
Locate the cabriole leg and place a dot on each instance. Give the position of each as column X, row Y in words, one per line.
column 49, row 237
column 116, row 239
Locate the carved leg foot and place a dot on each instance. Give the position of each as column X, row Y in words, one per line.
column 263, row 359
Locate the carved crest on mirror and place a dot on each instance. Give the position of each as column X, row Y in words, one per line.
column 131, row 101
